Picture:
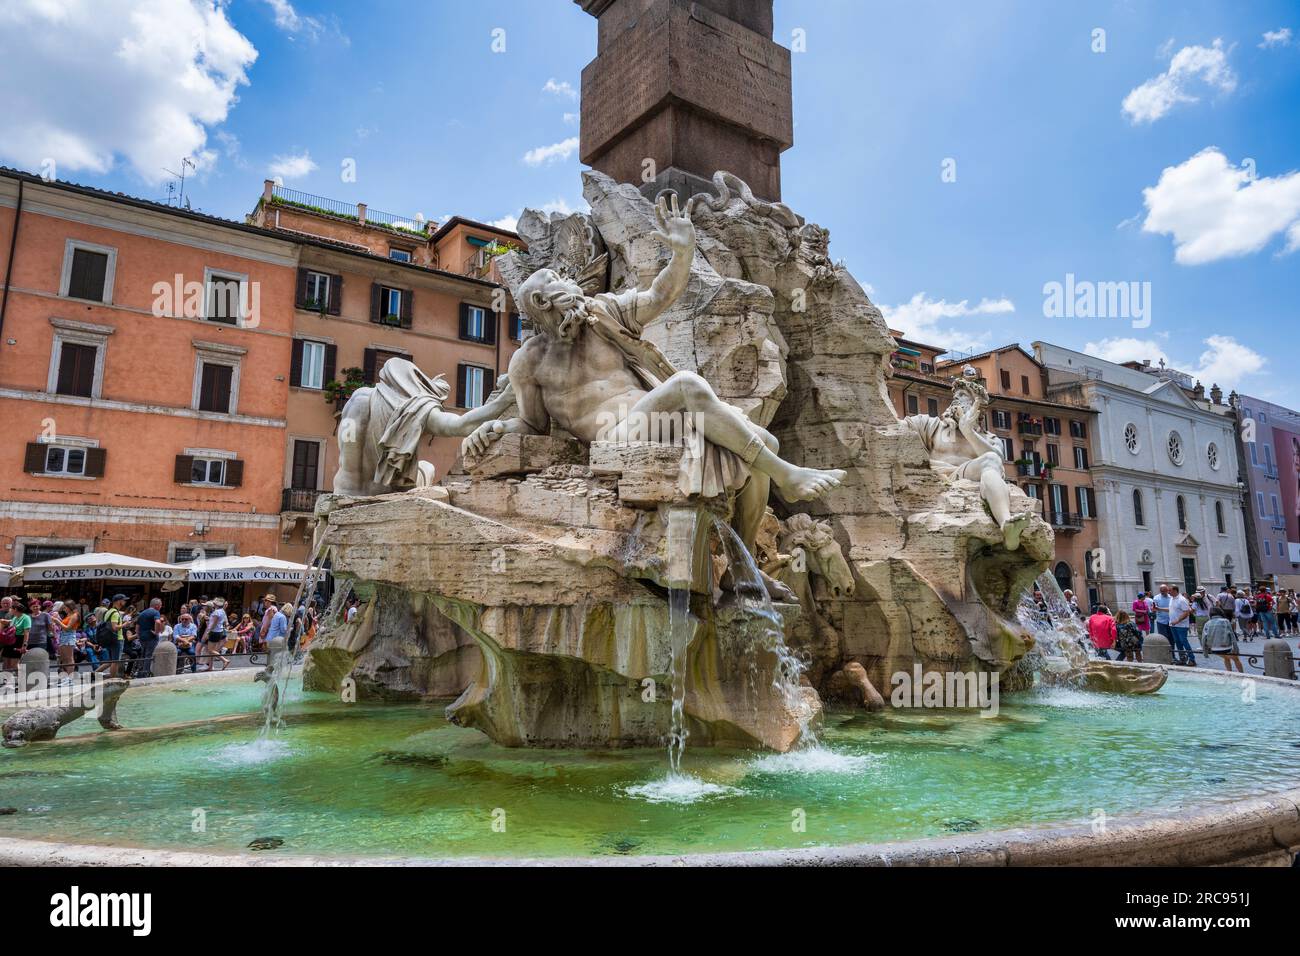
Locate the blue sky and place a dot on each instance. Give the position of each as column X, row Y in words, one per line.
column 1117, row 166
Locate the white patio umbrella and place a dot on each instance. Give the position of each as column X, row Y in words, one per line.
column 99, row 566
column 245, row 567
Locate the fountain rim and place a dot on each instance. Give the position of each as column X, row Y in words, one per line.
column 1257, row 830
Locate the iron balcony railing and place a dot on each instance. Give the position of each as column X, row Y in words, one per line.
column 335, row 207
column 299, row 499
column 1029, row 428
column 1065, row 520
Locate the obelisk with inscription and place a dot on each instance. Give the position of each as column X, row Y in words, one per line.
column 682, row 88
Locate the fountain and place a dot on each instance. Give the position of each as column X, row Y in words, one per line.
column 541, row 626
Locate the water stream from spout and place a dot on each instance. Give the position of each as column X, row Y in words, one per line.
column 280, row 659
column 1058, row 630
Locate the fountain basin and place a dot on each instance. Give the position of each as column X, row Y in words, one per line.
column 1176, row 779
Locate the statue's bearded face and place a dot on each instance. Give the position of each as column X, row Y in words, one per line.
column 557, row 306
column 961, row 402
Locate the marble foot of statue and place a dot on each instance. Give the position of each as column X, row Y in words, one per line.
column 1012, row 529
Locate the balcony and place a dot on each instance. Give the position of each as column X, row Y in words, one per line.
column 299, row 500
column 1028, row 469
column 1029, row 428
column 1068, row 521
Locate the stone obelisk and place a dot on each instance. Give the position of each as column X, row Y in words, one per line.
column 682, row 88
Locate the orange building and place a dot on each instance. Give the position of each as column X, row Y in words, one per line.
column 915, row 385
column 371, row 286
column 143, row 356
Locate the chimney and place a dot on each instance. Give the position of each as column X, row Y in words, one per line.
column 1216, row 394
column 1199, row 391
column 268, row 189
column 361, row 213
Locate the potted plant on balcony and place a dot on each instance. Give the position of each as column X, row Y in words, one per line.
column 340, row 390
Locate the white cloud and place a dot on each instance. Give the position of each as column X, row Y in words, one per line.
column 89, row 82
column 1191, row 66
column 560, row 88
column 1214, row 210
column 1224, row 361
column 292, row 165
column 1274, row 38
column 554, row 153
column 921, row 319
column 295, row 25
column 570, row 119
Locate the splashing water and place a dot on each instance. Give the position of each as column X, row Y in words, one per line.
column 279, row 667
column 680, row 788
column 1058, row 631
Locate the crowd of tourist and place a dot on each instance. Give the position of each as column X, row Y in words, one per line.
column 120, row 638
column 1217, row 621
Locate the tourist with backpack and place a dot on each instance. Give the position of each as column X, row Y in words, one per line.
column 111, row 633
column 1265, row 614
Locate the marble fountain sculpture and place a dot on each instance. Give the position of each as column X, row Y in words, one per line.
column 697, row 426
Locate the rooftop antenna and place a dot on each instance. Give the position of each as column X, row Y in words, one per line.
column 186, row 163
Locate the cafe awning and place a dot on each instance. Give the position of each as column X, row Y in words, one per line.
column 6, row 572
column 247, row 567
column 99, row 566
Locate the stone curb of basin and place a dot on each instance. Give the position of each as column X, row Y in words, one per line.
column 37, row 698
column 1258, row 831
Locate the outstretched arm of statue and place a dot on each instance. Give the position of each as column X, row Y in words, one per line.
column 443, row 423
column 677, row 230
column 532, row 419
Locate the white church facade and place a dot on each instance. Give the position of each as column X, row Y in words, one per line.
column 1166, row 478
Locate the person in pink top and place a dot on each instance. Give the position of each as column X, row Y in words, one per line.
column 1140, row 616
column 1101, row 628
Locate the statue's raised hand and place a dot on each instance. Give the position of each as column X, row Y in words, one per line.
column 675, row 226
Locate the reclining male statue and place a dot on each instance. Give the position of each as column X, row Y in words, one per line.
column 588, row 370
column 382, row 425
column 958, row 449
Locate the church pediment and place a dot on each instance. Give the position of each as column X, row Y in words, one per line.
column 1187, row 541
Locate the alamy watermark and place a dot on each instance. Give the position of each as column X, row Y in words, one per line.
column 1085, row 299
column 946, row 689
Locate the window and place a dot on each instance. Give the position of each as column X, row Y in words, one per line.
column 913, row 405
column 184, row 555
column 1147, row 587
column 1080, row 458
column 1059, row 496
column 1259, row 499
column 1218, row 518
column 1024, row 384
column 1078, row 430
column 516, row 327
column 306, row 465
column 374, row 360
column 399, row 255
column 79, row 458
column 88, row 271
column 311, row 363
column 216, row 385
column 76, row 369
column 320, row 291
column 1139, row 517
column 1052, row 426
column 199, row 466
column 1277, row 511
column 1131, row 441
column 1005, row 377
column 1034, row 491
column 390, row 306
column 477, row 324
column 1001, row 419
column 317, row 292
column 1174, row 446
column 1008, row 449
column 1087, row 504
column 1053, row 454
column 473, row 385
column 1268, row 548
column 224, row 300
column 1212, row 456
column 1182, row 513
column 35, row 553
column 932, row 406
column 1254, row 456
column 207, row 471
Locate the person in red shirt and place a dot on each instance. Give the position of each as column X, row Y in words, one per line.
column 1101, row 628
column 1141, row 617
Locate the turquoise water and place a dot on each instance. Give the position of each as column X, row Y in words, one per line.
column 399, row 780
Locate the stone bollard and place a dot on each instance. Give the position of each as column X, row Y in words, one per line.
column 164, row 659
column 1277, row 659
column 33, row 662
column 1157, row 650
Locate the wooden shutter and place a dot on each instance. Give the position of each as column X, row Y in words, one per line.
column 407, row 296
column 460, row 383
column 464, row 320
column 331, row 360
column 95, row 458
column 295, row 364
column 88, row 272
column 234, row 472
column 336, row 295
column 302, row 288
column 184, row 469
column 76, row 369
column 489, row 383
column 490, row 322
column 368, row 366
column 34, row 459
column 376, row 290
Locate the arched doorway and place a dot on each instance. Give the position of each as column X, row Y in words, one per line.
column 1064, row 576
